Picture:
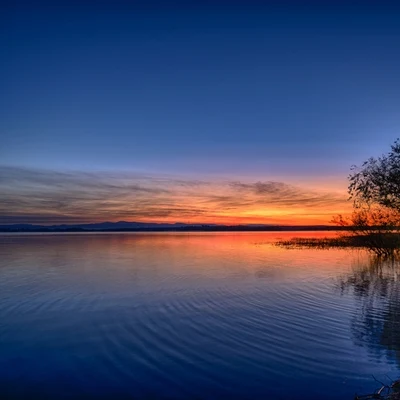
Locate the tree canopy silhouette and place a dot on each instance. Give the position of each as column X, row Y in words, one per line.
column 377, row 181
column 375, row 190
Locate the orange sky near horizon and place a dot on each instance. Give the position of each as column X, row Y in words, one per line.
column 52, row 197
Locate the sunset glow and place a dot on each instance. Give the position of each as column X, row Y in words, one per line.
column 38, row 197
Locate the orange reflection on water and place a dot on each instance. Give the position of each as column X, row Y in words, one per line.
column 203, row 255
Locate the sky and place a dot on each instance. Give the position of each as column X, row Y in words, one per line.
column 192, row 111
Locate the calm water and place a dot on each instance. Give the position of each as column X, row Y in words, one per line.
column 192, row 316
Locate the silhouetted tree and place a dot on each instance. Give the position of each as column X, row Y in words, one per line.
column 377, row 181
column 375, row 190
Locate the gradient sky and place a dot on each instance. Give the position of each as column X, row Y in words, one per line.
column 192, row 111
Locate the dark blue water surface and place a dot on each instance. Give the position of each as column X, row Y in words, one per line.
column 192, row 316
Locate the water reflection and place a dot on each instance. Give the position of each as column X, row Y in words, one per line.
column 375, row 286
column 205, row 316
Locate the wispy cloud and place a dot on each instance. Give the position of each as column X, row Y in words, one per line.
column 284, row 195
column 40, row 196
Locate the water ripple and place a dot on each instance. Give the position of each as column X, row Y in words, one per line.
column 208, row 325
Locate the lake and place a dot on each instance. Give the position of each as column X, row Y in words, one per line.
column 193, row 316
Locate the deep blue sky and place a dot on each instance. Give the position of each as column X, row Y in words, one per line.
column 294, row 91
column 220, row 88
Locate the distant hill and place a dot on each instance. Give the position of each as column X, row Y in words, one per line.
column 124, row 226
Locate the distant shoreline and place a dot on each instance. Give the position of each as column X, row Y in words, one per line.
column 221, row 228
